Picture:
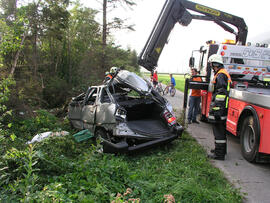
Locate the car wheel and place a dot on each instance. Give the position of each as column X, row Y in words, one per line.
column 101, row 134
column 249, row 139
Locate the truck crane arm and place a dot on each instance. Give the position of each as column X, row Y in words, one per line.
column 175, row 11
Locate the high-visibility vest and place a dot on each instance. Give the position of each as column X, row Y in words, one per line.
column 221, row 98
column 195, row 92
column 224, row 71
column 109, row 76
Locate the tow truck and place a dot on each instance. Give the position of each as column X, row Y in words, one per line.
column 249, row 67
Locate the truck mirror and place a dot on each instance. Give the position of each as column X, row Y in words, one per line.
column 202, row 49
column 191, row 62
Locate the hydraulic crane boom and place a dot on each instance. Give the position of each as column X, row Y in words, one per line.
column 175, row 11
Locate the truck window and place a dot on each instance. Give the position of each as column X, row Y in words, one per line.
column 237, row 61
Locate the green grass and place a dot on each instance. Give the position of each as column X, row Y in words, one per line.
column 61, row 170
column 179, row 79
column 165, row 79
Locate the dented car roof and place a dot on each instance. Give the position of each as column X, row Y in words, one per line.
column 132, row 80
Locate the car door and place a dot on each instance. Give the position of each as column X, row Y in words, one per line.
column 89, row 108
column 105, row 109
column 75, row 111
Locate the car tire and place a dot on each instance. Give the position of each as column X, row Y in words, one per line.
column 249, row 139
column 101, row 133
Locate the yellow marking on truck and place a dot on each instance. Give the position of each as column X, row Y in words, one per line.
column 207, row 10
column 158, row 50
column 227, row 15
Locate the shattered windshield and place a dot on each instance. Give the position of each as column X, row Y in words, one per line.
column 133, row 80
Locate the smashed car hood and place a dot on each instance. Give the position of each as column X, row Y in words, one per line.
column 133, row 81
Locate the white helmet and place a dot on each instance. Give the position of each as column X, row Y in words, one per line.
column 216, row 58
column 113, row 69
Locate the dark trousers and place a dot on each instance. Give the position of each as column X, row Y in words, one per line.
column 194, row 107
column 219, row 130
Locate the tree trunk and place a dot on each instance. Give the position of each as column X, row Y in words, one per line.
column 104, row 34
column 35, row 55
column 69, row 59
column 17, row 55
column 104, row 30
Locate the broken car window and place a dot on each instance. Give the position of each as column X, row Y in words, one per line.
column 91, row 96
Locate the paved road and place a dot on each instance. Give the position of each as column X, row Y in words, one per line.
column 252, row 179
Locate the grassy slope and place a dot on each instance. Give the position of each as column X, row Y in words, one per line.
column 62, row 170
column 179, row 79
column 180, row 169
column 66, row 171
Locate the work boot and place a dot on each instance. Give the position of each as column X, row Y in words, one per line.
column 214, row 156
column 219, row 151
column 213, row 150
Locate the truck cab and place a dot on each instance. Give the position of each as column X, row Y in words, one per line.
column 244, row 63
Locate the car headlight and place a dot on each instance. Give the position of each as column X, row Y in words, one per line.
column 121, row 113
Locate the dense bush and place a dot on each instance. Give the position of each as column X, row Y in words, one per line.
column 56, row 92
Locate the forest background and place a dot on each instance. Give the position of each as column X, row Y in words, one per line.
column 51, row 50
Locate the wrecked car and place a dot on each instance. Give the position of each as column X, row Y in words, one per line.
column 125, row 113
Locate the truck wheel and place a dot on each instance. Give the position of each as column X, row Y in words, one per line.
column 249, row 139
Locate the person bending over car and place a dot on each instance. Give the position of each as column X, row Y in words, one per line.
column 109, row 75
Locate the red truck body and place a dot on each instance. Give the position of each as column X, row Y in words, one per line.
column 249, row 96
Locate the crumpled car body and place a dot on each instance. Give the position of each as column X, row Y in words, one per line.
column 125, row 113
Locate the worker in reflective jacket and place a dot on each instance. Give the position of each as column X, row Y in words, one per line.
column 108, row 76
column 219, row 106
